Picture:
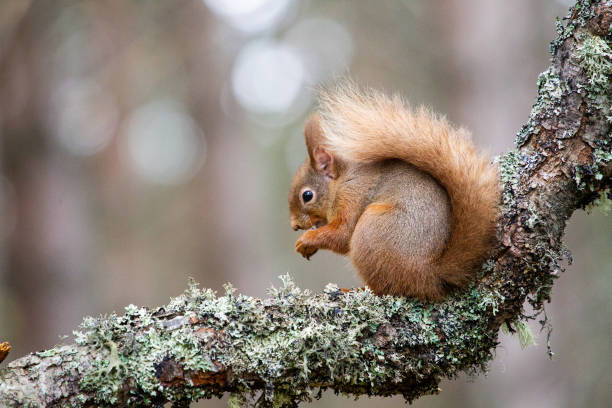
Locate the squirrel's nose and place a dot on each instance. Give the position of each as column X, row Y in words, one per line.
column 295, row 225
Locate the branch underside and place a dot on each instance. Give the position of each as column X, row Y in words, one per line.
column 286, row 348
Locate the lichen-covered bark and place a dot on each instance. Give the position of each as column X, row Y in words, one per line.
column 290, row 346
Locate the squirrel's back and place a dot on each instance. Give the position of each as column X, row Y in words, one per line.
column 368, row 126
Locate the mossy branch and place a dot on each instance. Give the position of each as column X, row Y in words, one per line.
column 289, row 347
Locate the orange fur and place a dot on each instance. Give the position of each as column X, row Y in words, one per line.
column 5, row 348
column 369, row 127
column 379, row 208
column 402, row 192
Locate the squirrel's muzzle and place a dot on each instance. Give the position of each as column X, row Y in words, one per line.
column 300, row 223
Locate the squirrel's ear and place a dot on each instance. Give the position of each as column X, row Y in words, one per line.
column 323, row 161
column 320, row 158
column 313, row 135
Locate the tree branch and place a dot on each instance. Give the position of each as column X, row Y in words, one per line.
column 284, row 349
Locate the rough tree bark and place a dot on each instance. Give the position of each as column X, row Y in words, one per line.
column 287, row 348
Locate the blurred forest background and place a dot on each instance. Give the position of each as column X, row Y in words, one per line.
column 144, row 142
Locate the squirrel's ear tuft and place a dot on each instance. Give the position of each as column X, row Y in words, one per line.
column 320, row 158
column 313, row 135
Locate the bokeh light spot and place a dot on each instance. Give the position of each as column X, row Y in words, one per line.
column 267, row 77
column 83, row 116
column 163, row 143
column 250, row 15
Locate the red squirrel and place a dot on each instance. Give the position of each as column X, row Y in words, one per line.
column 401, row 191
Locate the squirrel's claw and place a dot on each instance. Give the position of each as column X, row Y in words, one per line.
column 304, row 249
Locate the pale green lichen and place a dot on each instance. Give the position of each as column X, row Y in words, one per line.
column 508, row 165
column 525, row 335
column 534, row 217
column 47, row 353
column 594, row 55
column 602, row 155
column 292, row 340
column 550, row 91
column 577, row 17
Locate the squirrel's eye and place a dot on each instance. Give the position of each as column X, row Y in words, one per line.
column 307, row 195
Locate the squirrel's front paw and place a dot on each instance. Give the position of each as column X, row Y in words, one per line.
column 302, row 246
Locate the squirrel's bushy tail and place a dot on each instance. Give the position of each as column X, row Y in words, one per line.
column 366, row 125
